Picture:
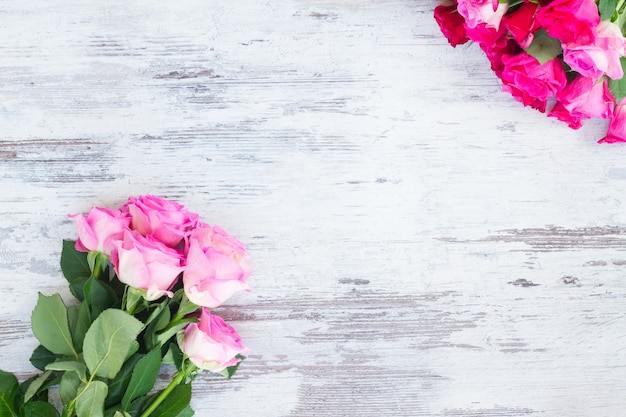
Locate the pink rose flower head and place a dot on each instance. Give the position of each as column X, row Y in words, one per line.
column 489, row 12
column 168, row 221
column 146, row 264
column 530, row 82
column 217, row 267
column 451, row 24
column 212, row 344
column 570, row 20
column 602, row 56
column 581, row 99
column 617, row 127
column 100, row 229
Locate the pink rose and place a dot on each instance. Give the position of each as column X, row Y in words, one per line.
column 217, row 267
column 212, row 344
column 167, row 221
column 486, row 36
column 599, row 57
column 451, row 24
column 570, row 20
column 147, row 264
column 489, row 12
column 530, row 82
column 583, row 98
column 617, row 127
column 100, row 229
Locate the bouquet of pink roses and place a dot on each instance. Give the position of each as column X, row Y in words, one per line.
column 565, row 57
column 145, row 277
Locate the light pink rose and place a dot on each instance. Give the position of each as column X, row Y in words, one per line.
column 489, row 12
column 211, row 343
column 599, row 57
column 147, row 264
column 570, row 20
column 530, row 82
column 100, row 229
column 617, row 127
column 168, row 221
column 217, row 267
column 581, row 99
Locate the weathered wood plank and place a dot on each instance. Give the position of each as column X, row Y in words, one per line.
column 422, row 245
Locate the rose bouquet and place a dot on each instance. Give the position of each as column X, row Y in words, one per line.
column 145, row 277
column 563, row 57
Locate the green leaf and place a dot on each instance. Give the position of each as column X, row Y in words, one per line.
column 99, row 296
column 174, row 356
column 175, row 403
column 90, row 402
column 39, row 409
column 618, row 87
column 108, row 342
column 35, row 384
column 75, row 268
column 607, row 9
column 42, row 357
column 158, row 320
column 50, row 325
column 172, row 329
column 78, row 367
column 144, row 376
column 121, row 414
column 543, row 47
column 69, row 386
column 80, row 327
column 187, row 412
column 8, row 387
column 118, row 385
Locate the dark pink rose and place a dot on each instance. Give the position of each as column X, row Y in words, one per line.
column 617, row 127
column 147, row 264
column 100, row 229
column 530, row 82
column 451, row 24
column 211, row 343
column 581, row 99
column 522, row 24
column 600, row 57
column 570, row 21
column 217, row 267
column 168, row 221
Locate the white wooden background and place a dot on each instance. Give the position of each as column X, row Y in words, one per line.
column 422, row 245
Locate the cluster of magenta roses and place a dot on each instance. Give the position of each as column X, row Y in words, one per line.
column 564, row 54
column 146, row 277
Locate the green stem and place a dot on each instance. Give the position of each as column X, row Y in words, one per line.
column 178, row 379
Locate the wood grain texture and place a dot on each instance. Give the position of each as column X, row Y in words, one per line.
column 422, row 245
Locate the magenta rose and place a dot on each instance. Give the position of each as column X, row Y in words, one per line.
column 617, row 127
column 168, row 221
column 600, row 57
column 146, row 264
column 570, row 20
column 100, row 229
column 489, row 12
column 530, row 82
column 217, row 267
column 451, row 24
column 581, row 99
column 211, row 343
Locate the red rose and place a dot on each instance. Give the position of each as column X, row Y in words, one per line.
column 451, row 24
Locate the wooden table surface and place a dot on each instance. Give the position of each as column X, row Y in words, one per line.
column 422, row 244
